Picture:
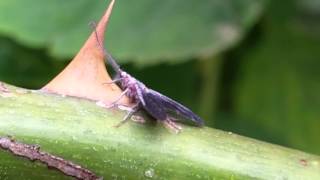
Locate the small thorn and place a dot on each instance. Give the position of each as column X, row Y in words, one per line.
column 3, row 88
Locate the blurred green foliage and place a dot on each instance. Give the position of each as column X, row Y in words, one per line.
column 26, row 66
column 278, row 82
column 143, row 31
column 265, row 86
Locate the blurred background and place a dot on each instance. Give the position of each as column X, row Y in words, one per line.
column 246, row 66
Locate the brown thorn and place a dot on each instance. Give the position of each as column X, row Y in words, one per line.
column 86, row 73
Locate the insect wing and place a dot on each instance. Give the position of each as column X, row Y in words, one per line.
column 172, row 105
column 153, row 107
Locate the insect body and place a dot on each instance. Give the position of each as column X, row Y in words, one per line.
column 157, row 105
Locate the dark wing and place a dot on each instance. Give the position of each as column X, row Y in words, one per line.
column 152, row 106
column 171, row 105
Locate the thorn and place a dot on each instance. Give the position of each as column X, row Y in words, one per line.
column 3, row 88
column 88, row 70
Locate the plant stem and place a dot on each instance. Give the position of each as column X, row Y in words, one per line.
column 80, row 131
column 210, row 71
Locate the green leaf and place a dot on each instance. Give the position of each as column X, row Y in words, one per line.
column 146, row 31
column 279, row 85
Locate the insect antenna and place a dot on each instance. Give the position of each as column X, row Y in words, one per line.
column 106, row 55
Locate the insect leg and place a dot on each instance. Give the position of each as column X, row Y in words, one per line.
column 140, row 95
column 118, row 99
column 172, row 125
column 113, row 81
column 134, row 109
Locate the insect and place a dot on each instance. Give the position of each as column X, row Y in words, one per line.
column 155, row 104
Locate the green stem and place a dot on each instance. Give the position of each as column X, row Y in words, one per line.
column 210, row 71
column 80, row 131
